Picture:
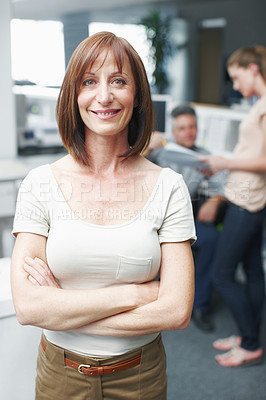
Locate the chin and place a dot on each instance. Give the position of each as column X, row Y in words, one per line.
column 247, row 95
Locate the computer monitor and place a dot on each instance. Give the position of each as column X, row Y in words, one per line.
column 162, row 108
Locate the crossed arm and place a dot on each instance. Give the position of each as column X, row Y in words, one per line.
column 126, row 310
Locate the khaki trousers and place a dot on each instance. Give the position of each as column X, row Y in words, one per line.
column 146, row 381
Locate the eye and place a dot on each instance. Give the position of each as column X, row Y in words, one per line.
column 88, row 82
column 119, row 82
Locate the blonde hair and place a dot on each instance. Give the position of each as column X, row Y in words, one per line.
column 247, row 55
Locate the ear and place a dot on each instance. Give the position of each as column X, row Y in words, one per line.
column 254, row 68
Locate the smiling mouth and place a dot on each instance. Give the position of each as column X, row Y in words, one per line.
column 106, row 113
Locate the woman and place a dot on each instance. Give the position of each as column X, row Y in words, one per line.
column 241, row 237
column 94, row 230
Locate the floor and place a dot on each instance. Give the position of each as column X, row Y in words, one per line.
column 194, row 375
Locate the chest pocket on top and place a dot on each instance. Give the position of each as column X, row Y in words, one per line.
column 132, row 269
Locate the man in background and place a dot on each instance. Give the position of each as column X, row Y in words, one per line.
column 206, row 200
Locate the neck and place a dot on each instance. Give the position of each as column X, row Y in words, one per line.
column 104, row 152
column 261, row 86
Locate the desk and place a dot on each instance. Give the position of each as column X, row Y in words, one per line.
column 12, row 172
column 6, row 304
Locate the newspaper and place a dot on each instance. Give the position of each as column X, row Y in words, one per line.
column 183, row 156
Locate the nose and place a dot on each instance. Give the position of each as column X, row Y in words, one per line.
column 104, row 94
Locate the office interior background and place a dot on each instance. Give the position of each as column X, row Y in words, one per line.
column 37, row 40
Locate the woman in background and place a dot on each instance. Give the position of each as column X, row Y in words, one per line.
column 94, row 230
column 241, row 237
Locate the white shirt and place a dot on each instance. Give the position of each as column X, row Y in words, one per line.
column 82, row 255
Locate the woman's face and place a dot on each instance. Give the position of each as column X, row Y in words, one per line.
column 106, row 97
column 243, row 79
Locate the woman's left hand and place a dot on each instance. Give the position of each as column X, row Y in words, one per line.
column 216, row 163
column 39, row 273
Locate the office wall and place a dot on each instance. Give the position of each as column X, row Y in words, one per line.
column 7, row 114
column 76, row 24
column 132, row 15
column 75, row 30
column 245, row 26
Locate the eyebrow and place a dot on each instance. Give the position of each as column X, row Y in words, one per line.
column 113, row 74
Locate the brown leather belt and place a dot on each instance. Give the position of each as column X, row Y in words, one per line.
column 106, row 369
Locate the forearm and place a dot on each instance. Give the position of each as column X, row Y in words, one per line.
column 248, row 165
column 154, row 317
column 208, row 210
column 58, row 309
column 172, row 310
column 217, row 163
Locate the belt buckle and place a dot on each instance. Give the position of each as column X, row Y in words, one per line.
column 82, row 366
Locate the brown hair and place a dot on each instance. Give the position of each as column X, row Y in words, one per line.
column 70, row 124
column 247, row 55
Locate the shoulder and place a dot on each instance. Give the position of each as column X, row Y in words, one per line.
column 36, row 175
column 44, row 172
column 262, row 100
column 262, row 108
column 36, row 187
column 147, row 165
column 174, row 186
column 259, row 107
column 64, row 162
column 38, row 184
column 171, row 176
